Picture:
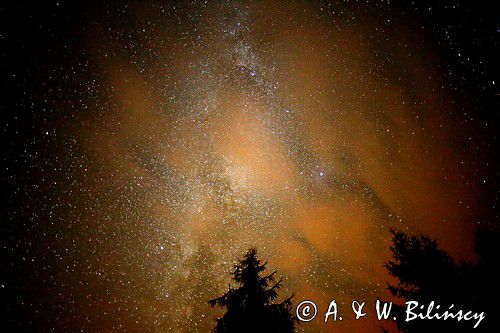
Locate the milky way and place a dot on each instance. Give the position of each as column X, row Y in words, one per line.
column 200, row 130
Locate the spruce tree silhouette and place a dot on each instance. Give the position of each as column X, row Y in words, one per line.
column 425, row 273
column 422, row 268
column 251, row 306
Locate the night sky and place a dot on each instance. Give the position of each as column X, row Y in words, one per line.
column 147, row 145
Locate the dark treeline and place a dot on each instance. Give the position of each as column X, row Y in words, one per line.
column 426, row 273
column 423, row 271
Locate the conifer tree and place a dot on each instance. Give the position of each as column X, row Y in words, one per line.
column 425, row 273
column 252, row 306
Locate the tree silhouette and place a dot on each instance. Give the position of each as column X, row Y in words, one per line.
column 251, row 306
column 423, row 270
column 425, row 273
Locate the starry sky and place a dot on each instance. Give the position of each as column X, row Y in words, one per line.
column 149, row 144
